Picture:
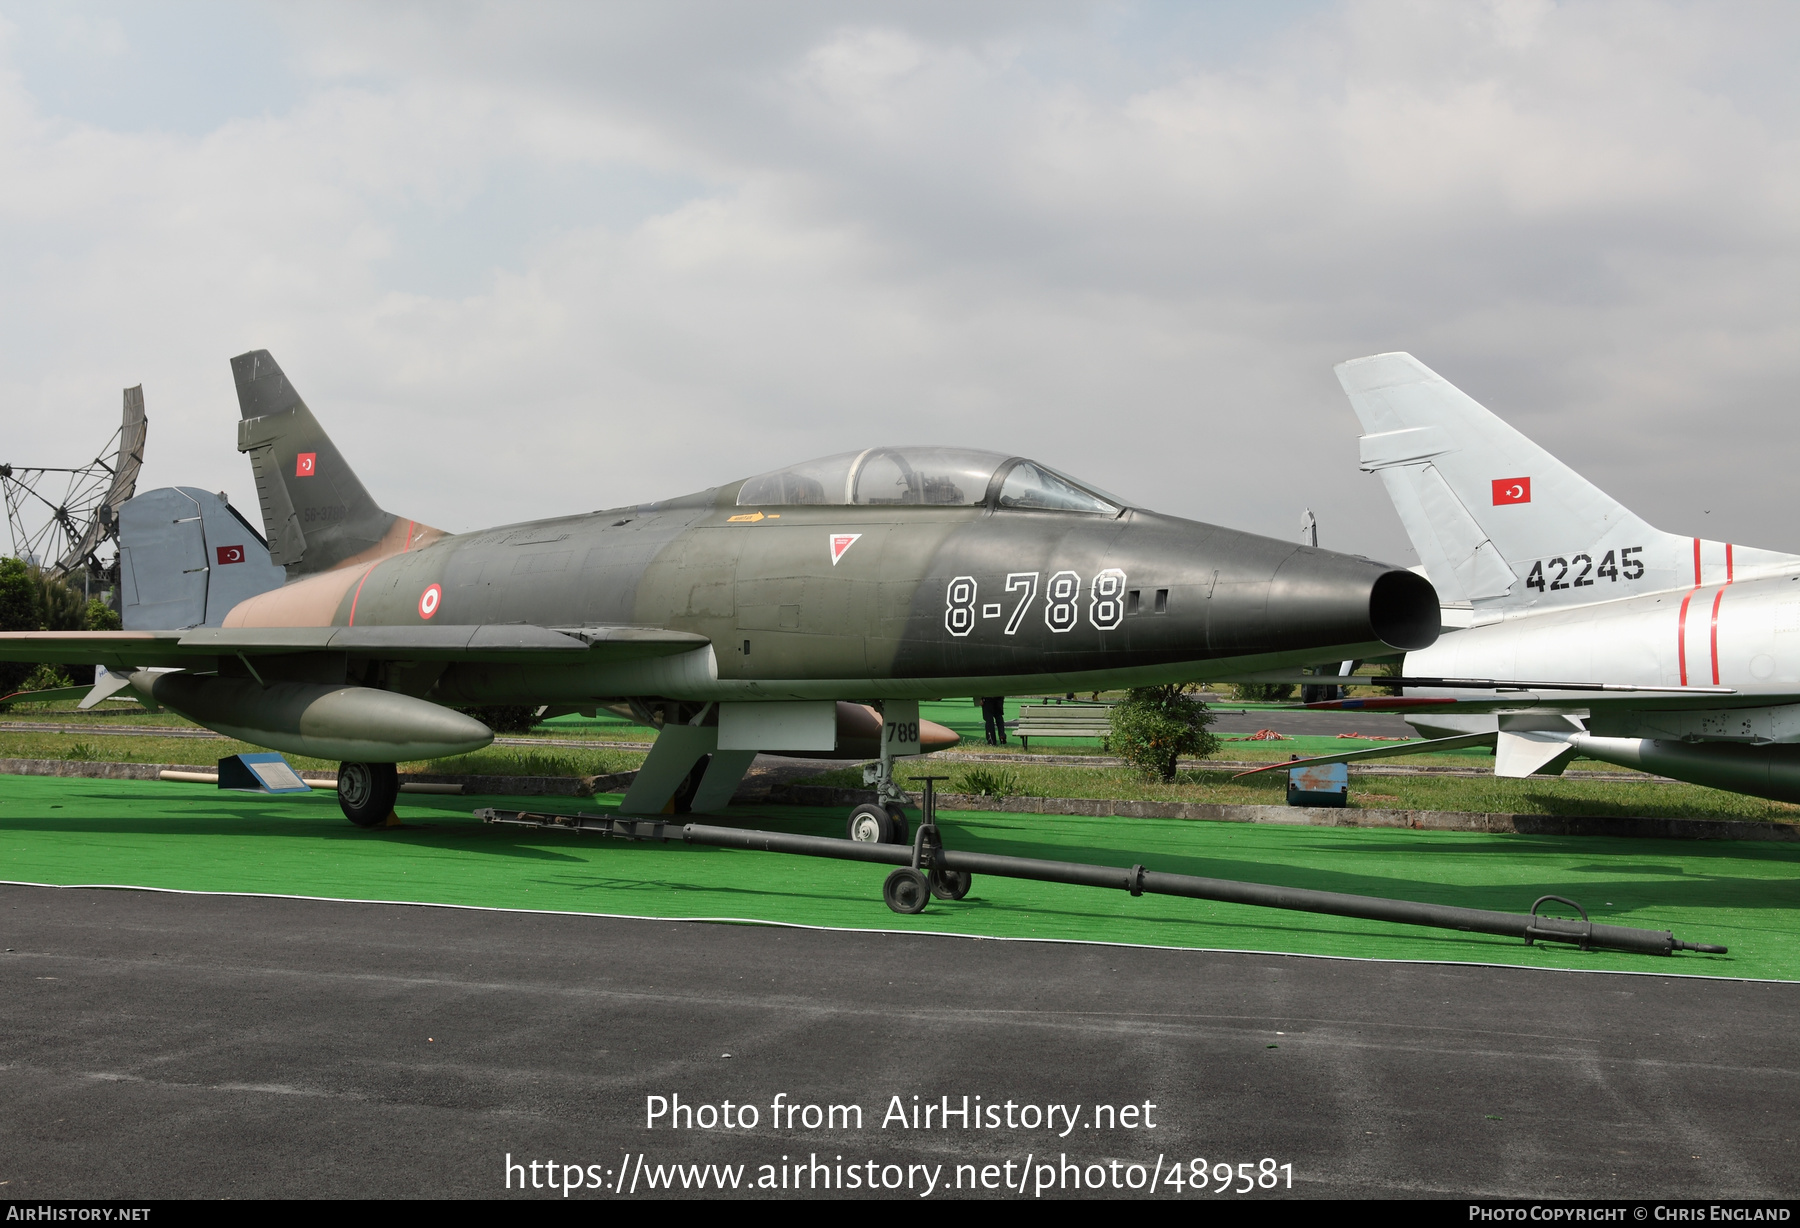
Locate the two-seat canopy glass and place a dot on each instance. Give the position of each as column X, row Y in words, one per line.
column 925, row 477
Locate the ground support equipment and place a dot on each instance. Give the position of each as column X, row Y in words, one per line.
column 929, row 869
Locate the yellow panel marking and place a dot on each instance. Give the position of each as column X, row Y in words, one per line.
column 749, row 518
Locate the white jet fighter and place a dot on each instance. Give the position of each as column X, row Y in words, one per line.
column 1674, row 655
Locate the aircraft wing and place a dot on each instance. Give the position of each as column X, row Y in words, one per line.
column 511, row 642
column 1379, row 752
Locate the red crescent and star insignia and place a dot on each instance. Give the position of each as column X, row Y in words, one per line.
column 1511, row 490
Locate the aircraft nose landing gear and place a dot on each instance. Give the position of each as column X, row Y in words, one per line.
column 883, row 821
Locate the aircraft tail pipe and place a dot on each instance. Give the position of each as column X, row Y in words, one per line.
column 1532, row 927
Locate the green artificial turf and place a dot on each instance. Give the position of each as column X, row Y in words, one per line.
column 187, row 837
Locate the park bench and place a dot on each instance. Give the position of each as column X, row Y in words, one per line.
column 1064, row 720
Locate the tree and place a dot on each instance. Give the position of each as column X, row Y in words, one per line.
column 1155, row 725
column 60, row 606
column 101, row 617
column 21, row 609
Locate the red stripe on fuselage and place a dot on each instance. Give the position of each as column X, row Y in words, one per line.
column 374, row 565
column 1728, row 562
column 1696, row 563
column 1715, row 634
column 1680, row 635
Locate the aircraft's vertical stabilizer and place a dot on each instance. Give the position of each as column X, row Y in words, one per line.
column 185, row 558
column 316, row 513
column 1500, row 523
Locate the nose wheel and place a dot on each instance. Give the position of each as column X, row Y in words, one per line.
column 873, row 823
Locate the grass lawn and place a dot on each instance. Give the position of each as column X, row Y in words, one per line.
column 493, row 761
column 1539, row 795
column 191, row 837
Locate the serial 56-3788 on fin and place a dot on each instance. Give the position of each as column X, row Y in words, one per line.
column 803, row 611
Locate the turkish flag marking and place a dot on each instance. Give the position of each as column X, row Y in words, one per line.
column 841, row 542
column 1512, row 490
column 230, row 554
column 306, row 464
column 429, row 600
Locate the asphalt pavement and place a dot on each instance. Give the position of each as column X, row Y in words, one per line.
column 163, row 1045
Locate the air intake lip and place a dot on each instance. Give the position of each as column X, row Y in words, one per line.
column 1403, row 610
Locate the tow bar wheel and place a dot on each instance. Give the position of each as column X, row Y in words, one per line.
column 906, row 890
column 366, row 792
column 950, row 884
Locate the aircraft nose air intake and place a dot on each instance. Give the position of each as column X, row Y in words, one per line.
column 1332, row 598
column 1403, row 609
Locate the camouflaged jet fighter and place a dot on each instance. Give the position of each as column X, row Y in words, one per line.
column 777, row 613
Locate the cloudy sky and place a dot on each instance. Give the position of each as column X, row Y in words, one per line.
column 525, row 259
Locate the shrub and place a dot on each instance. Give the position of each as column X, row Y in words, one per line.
column 45, row 678
column 504, row 718
column 102, row 617
column 990, row 782
column 1156, row 725
column 1262, row 692
column 1392, row 669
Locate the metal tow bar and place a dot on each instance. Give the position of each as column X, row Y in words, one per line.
column 929, row 869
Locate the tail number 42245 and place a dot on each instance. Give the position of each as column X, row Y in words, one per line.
column 1579, row 571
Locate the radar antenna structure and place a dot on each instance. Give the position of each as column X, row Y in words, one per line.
column 61, row 519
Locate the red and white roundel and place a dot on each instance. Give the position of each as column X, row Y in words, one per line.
column 429, row 601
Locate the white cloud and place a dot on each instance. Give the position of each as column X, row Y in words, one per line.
column 680, row 245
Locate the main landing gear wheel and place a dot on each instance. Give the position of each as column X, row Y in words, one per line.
column 950, row 884
column 873, row 824
column 906, row 891
column 366, row 792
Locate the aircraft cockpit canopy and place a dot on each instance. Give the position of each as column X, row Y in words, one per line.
column 925, row 476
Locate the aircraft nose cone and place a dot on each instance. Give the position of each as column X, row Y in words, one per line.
column 1334, row 598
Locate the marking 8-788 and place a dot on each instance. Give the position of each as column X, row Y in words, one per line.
column 1103, row 597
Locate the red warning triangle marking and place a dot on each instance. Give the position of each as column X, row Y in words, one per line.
column 841, row 542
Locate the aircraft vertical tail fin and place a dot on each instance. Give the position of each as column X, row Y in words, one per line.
column 186, row 557
column 316, row 513
column 1499, row 522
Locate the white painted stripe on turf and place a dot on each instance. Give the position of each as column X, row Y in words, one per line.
column 851, row 929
